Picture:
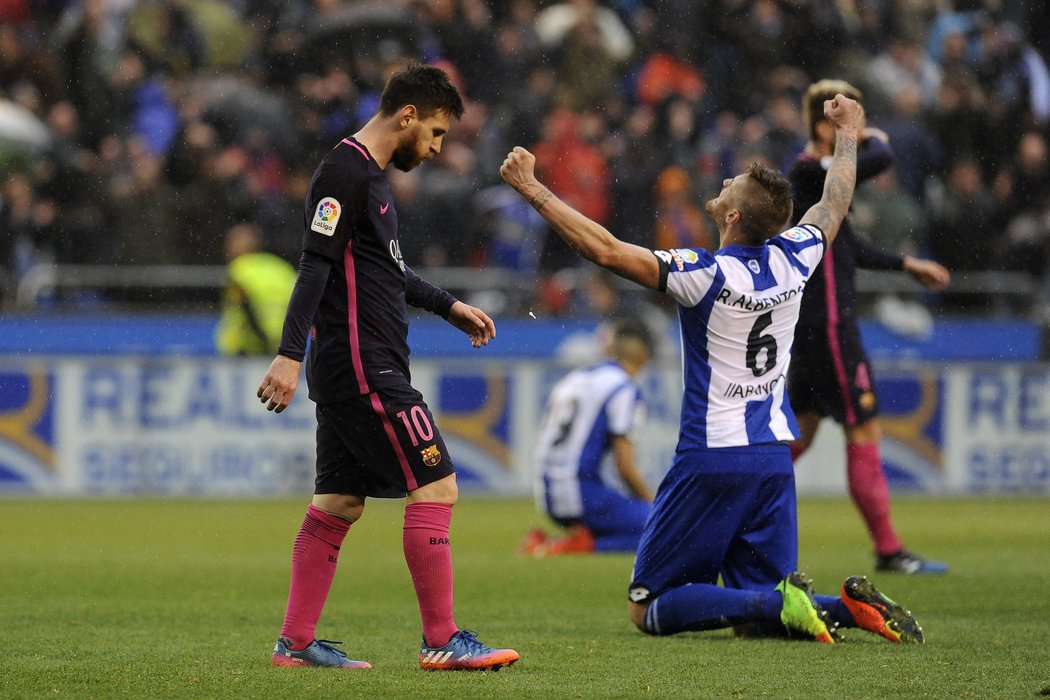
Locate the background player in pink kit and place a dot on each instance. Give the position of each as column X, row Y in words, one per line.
column 375, row 434
column 726, row 507
column 831, row 375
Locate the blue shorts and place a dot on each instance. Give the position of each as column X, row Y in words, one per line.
column 615, row 520
column 728, row 512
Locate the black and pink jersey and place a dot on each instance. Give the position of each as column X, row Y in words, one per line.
column 360, row 329
column 831, row 294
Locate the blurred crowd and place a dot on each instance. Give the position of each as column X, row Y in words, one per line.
column 138, row 132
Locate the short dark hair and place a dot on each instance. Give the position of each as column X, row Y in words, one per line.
column 631, row 329
column 426, row 87
column 768, row 210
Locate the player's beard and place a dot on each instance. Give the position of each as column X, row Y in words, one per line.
column 405, row 157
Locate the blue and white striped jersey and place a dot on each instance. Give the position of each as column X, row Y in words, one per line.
column 738, row 308
column 584, row 409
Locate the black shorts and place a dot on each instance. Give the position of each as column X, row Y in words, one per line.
column 830, row 375
column 382, row 444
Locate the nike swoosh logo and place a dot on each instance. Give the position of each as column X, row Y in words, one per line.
column 382, row 209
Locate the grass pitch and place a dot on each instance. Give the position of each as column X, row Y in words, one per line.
column 183, row 599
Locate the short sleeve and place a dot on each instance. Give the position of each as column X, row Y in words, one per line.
column 805, row 244
column 686, row 274
column 624, row 411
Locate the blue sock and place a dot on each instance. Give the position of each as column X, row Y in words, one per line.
column 836, row 609
column 704, row 606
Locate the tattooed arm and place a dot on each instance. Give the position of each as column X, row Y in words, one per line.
column 847, row 116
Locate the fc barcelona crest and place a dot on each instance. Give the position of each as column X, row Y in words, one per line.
column 431, row 456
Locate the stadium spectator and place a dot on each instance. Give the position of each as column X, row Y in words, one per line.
column 781, row 141
column 718, row 151
column 679, row 222
column 71, row 208
column 1026, row 236
column 375, row 435
column 750, row 39
column 214, row 187
column 664, row 74
column 151, row 115
column 256, row 298
column 919, row 155
column 868, row 27
column 452, row 181
column 466, row 33
column 678, row 131
column 517, row 40
column 1011, row 67
column 554, row 24
column 586, row 477
column 726, row 507
column 19, row 223
column 831, row 375
column 905, row 66
column 1031, row 167
column 278, row 217
column 589, row 60
column 143, row 209
column 962, row 218
column 635, row 160
column 181, row 47
column 577, row 171
column 89, row 39
column 961, row 124
column 889, row 218
column 27, row 65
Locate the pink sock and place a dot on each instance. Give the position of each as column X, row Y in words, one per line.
column 314, row 557
column 871, row 494
column 429, row 559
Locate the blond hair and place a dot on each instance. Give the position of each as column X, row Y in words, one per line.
column 816, row 94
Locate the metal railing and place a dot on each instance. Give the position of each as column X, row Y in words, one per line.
column 44, row 280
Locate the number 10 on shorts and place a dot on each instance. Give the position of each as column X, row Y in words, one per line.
column 417, row 423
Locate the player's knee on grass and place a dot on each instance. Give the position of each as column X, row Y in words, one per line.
column 637, row 612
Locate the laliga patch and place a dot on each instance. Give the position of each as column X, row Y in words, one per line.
column 797, row 235
column 689, row 255
column 326, row 216
column 754, row 266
